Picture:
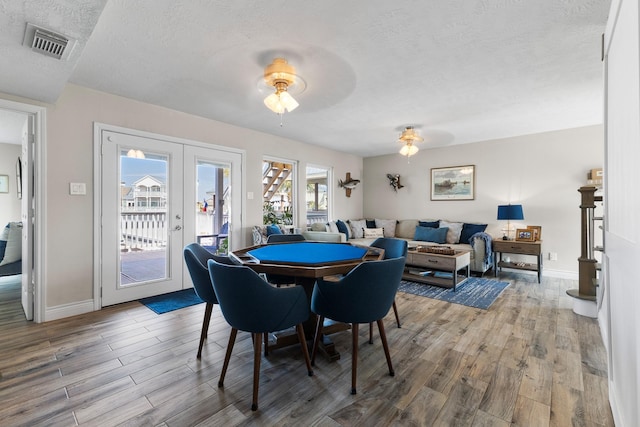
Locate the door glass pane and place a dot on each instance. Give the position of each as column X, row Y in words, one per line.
column 143, row 217
column 213, row 183
column 277, row 192
column 317, row 194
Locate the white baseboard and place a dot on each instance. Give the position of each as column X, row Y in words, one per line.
column 561, row 274
column 68, row 310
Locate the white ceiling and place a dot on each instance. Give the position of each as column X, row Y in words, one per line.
column 460, row 71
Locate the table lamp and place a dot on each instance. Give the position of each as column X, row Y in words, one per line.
column 509, row 212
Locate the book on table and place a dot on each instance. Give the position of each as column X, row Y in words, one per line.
column 420, row 272
column 443, row 275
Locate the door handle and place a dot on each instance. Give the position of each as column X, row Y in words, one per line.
column 177, row 228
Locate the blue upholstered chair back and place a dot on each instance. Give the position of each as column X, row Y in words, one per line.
column 364, row 295
column 393, row 248
column 279, row 238
column 250, row 304
column 196, row 257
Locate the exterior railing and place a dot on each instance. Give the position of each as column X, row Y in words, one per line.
column 316, row 216
column 143, row 230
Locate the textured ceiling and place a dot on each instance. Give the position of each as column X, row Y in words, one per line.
column 460, row 71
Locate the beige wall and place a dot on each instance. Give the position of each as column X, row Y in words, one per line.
column 69, row 223
column 9, row 203
column 542, row 172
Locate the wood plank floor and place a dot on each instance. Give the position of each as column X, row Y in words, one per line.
column 527, row 361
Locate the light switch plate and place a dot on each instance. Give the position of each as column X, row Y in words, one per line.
column 77, row 188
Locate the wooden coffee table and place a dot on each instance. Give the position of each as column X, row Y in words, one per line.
column 437, row 264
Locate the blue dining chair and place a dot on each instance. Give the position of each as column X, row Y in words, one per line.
column 250, row 304
column 196, row 257
column 364, row 295
column 393, row 248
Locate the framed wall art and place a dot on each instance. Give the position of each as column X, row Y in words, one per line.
column 4, row 183
column 453, row 183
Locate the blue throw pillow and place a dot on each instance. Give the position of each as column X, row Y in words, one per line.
column 273, row 229
column 3, row 246
column 469, row 230
column 431, row 224
column 343, row 228
column 371, row 223
column 430, row 234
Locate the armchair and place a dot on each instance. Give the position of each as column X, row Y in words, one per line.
column 364, row 295
column 250, row 304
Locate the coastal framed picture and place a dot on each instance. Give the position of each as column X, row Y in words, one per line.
column 453, row 183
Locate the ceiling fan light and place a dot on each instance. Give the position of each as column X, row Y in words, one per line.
column 273, row 103
column 288, row 101
column 408, row 150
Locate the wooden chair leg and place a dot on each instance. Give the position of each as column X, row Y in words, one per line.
column 305, row 350
column 316, row 339
column 383, row 338
column 227, row 356
column 205, row 326
column 257, row 344
column 395, row 310
column 371, row 333
column 354, row 356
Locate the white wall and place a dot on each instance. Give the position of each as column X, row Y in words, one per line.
column 9, row 203
column 620, row 314
column 69, row 222
column 542, row 172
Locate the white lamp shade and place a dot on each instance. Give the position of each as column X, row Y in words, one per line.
column 408, row 150
column 279, row 102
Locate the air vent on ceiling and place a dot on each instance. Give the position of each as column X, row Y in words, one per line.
column 48, row 42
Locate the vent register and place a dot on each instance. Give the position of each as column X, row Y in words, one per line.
column 48, row 42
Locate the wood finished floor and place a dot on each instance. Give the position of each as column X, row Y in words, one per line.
column 527, row 361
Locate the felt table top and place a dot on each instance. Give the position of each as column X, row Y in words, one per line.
column 307, row 253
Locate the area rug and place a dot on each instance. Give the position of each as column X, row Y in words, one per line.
column 171, row 301
column 474, row 292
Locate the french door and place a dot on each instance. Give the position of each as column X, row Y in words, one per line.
column 150, row 203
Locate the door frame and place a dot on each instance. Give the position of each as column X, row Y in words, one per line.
column 38, row 154
column 97, row 190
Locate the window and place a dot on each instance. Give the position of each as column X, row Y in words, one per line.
column 278, row 192
column 317, row 194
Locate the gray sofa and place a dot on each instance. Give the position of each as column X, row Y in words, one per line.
column 480, row 251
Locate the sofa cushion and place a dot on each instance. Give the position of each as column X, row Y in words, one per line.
column 406, row 228
column 455, row 228
column 318, row 226
column 343, row 228
column 273, row 229
column 430, row 234
column 432, row 224
column 388, row 226
column 373, row 233
column 469, row 230
column 357, row 225
column 332, row 227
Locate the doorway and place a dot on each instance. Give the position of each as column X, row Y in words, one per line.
column 26, row 193
column 149, row 194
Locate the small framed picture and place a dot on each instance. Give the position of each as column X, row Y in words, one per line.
column 537, row 232
column 524, row 235
column 4, row 183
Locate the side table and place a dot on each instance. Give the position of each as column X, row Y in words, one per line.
column 518, row 248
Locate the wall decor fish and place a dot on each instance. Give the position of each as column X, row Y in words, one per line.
column 394, row 181
column 348, row 184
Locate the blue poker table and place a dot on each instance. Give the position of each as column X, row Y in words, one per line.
column 306, row 261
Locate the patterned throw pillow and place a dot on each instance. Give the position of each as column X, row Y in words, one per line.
column 332, row 227
column 374, row 233
column 455, row 228
column 388, row 226
column 357, row 225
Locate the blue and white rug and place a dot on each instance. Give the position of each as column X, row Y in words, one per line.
column 474, row 292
